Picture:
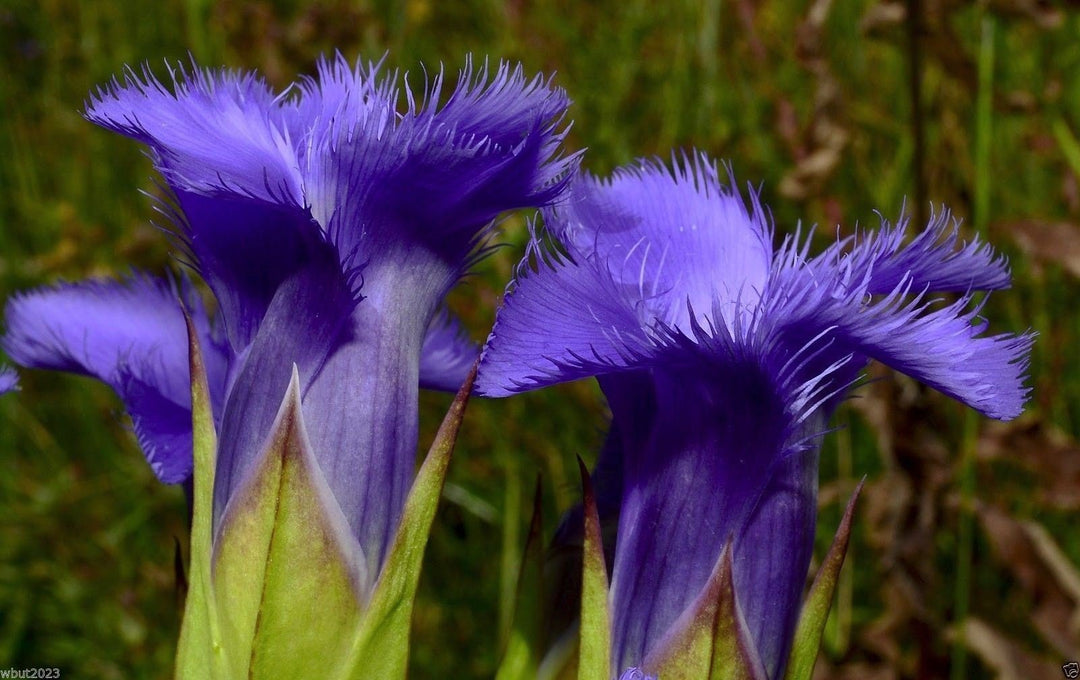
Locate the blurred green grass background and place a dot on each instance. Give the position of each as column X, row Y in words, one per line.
column 835, row 109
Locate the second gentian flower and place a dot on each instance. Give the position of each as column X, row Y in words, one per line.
column 722, row 360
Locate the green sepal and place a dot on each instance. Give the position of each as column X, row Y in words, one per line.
column 594, row 656
column 199, row 653
column 381, row 649
column 710, row 641
column 288, row 575
column 815, row 611
column 521, row 658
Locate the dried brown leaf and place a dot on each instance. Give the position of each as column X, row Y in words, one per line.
column 1041, row 12
column 819, row 148
column 1043, row 451
column 1040, row 568
column 1047, row 242
column 882, row 16
column 1005, row 657
column 854, row 671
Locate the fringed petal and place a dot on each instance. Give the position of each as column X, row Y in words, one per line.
column 935, row 259
column 722, row 362
column 503, row 106
column 673, row 238
column 212, row 132
column 132, row 336
column 435, row 178
column 565, row 320
column 161, row 425
column 947, row 349
column 643, row 252
column 942, row 344
column 339, row 95
column 298, row 207
column 446, row 355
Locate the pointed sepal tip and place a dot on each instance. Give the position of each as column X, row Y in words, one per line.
column 815, row 611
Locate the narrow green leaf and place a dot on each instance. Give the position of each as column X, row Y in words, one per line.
column 594, row 661
column 288, row 573
column 815, row 612
column 510, row 548
column 199, row 653
column 381, row 649
column 1067, row 142
column 710, row 640
column 521, row 657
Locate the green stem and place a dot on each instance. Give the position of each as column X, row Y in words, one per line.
column 981, row 208
column 511, row 549
column 918, row 129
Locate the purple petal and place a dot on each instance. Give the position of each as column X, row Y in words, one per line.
column 435, row 178
column 290, row 205
column 306, row 321
column 9, row 380
column 212, row 132
column 935, row 259
column 335, row 98
column 642, row 250
column 369, row 456
column 503, row 107
column 359, row 366
column 641, row 278
column 565, row 321
column 359, row 372
column 245, row 249
column 132, row 336
column 162, row 426
column 946, row 348
column 635, row 673
column 773, row 550
column 674, row 238
column 446, row 355
column 221, row 141
column 687, row 490
column 941, row 344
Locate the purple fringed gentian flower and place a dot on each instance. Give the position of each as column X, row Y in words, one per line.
column 722, row 360
column 329, row 221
